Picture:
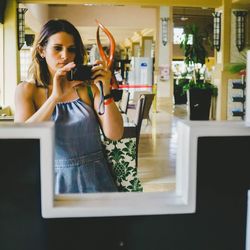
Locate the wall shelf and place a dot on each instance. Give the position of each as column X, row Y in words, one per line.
column 236, row 99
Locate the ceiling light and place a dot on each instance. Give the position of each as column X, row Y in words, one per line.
column 184, row 18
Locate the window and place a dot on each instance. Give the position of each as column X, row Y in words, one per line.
column 178, row 33
column 25, row 59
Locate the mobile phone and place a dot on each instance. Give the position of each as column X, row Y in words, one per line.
column 80, row 73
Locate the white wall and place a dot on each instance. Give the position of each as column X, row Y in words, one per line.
column 123, row 16
column 122, row 21
column 36, row 16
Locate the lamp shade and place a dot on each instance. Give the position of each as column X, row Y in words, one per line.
column 240, row 28
column 217, row 30
column 164, row 30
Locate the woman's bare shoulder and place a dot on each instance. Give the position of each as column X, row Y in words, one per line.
column 26, row 88
column 27, row 85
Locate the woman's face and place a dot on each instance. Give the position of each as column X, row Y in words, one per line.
column 59, row 51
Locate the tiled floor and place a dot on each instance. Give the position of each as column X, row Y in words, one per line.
column 157, row 147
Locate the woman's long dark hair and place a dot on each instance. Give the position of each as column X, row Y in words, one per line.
column 38, row 70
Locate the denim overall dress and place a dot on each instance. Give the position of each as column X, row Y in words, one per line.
column 80, row 165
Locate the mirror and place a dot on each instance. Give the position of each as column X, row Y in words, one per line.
column 157, row 148
column 153, row 179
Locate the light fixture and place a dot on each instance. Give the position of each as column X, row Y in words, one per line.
column 21, row 26
column 240, row 28
column 164, row 30
column 217, row 30
column 29, row 39
column 184, row 17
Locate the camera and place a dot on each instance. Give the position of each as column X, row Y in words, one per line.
column 80, row 73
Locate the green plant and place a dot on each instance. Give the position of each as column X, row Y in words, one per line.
column 192, row 45
column 240, row 67
column 199, row 84
column 195, row 53
column 235, row 68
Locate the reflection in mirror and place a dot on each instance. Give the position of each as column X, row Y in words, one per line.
column 158, row 135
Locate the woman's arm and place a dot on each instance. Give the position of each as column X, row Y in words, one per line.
column 25, row 108
column 111, row 121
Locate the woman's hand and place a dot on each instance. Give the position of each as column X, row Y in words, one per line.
column 61, row 86
column 101, row 73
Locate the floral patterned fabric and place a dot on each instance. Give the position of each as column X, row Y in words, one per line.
column 122, row 157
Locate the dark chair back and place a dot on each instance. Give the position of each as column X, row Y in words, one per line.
column 123, row 104
column 148, row 103
column 138, row 121
column 117, row 94
column 140, row 108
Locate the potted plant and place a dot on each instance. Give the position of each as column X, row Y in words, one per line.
column 200, row 89
column 180, row 96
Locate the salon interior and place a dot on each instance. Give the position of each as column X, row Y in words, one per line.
column 148, row 61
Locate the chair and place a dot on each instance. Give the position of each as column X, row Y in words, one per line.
column 136, row 97
column 138, row 93
column 123, row 104
column 148, row 103
column 117, row 94
column 135, row 130
column 140, row 108
column 149, row 97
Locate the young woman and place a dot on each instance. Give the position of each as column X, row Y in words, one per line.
column 80, row 165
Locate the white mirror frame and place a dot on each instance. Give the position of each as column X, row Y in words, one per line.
column 136, row 203
column 180, row 201
column 45, row 133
